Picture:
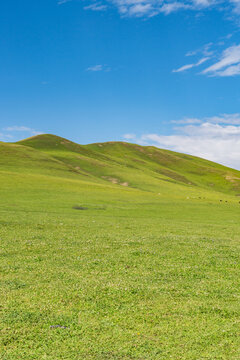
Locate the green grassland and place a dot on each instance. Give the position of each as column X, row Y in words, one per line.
column 117, row 251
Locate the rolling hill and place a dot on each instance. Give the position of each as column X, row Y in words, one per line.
column 126, row 170
column 142, row 167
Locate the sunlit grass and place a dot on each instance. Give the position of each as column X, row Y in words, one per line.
column 94, row 270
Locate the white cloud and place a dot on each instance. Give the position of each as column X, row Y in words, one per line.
column 201, row 4
column 230, row 71
column 140, row 9
column 144, row 8
column 215, row 138
column 137, row 8
column 236, row 6
column 22, row 129
column 217, row 143
column 228, row 64
column 15, row 130
column 232, row 119
column 61, row 2
column 96, row 7
column 96, row 68
column 129, row 136
column 184, row 68
column 189, row 66
column 4, row 137
column 170, row 7
column 187, row 121
column 227, row 119
column 192, row 53
column 149, row 8
column 205, row 50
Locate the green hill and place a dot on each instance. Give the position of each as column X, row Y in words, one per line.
column 143, row 167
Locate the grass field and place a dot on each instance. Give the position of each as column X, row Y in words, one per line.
column 115, row 251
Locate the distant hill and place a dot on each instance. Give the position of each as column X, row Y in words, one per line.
column 121, row 164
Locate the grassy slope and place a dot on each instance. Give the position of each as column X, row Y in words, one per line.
column 141, row 167
column 135, row 276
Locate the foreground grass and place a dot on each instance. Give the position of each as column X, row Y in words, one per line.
column 133, row 276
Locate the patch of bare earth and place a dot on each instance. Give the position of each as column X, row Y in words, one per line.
column 232, row 178
column 115, row 180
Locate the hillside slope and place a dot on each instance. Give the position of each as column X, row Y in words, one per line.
column 143, row 167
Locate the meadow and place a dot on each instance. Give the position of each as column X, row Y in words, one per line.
column 92, row 269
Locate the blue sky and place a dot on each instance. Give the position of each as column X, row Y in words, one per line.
column 163, row 73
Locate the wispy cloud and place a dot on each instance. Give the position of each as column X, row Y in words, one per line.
column 61, row 2
column 187, row 121
column 224, row 62
column 232, row 119
column 227, row 119
column 227, row 65
column 205, row 50
column 95, row 68
column 22, row 129
column 99, row 67
column 149, row 8
column 215, row 138
column 236, row 6
column 12, row 132
column 190, row 66
column 129, row 136
column 140, row 10
column 143, row 8
column 96, row 7
column 171, row 7
column 5, row 137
